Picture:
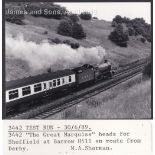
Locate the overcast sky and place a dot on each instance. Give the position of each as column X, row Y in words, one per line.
column 108, row 10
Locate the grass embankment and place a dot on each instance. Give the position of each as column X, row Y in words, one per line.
column 131, row 99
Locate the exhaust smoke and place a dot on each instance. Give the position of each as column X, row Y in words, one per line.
column 45, row 55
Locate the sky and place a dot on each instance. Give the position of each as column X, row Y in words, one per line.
column 108, row 10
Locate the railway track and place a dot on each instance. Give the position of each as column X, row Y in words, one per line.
column 45, row 111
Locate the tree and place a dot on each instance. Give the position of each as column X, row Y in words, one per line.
column 65, row 28
column 119, row 36
column 74, row 18
column 142, row 39
column 131, row 31
column 56, row 41
column 126, row 20
column 141, row 28
column 86, row 16
column 77, row 31
column 117, row 20
column 69, row 28
column 136, row 26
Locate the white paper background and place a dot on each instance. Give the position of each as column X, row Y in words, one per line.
column 137, row 129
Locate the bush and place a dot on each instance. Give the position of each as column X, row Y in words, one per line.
column 119, row 36
column 86, row 16
column 78, row 32
column 137, row 26
column 95, row 18
column 74, row 18
column 116, row 20
column 45, row 32
column 141, row 28
column 74, row 45
column 119, row 20
column 113, row 24
column 65, row 28
column 142, row 39
column 67, row 42
column 149, row 39
column 126, row 20
column 131, row 31
column 56, row 41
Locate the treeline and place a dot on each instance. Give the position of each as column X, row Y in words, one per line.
column 125, row 27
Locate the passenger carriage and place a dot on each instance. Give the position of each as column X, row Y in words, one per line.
column 23, row 90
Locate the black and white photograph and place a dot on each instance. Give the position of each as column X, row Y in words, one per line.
column 78, row 60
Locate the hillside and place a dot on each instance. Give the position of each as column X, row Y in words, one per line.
column 38, row 29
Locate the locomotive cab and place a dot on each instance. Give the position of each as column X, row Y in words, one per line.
column 84, row 74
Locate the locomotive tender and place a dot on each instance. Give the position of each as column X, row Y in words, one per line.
column 31, row 88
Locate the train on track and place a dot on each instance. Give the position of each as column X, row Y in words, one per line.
column 31, row 88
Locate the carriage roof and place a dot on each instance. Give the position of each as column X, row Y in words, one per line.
column 36, row 79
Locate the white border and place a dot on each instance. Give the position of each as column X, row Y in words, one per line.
column 1, row 126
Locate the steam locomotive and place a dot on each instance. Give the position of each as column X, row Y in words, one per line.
column 31, row 88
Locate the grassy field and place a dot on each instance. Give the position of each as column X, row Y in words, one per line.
column 97, row 35
column 131, row 99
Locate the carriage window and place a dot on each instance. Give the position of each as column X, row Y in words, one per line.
column 26, row 90
column 54, row 83
column 37, row 87
column 50, row 84
column 44, row 85
column 13, row 94
column 58, row 82
column 70, row 79
column 63, row 80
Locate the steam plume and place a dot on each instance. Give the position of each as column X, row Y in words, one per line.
column 45, row 55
